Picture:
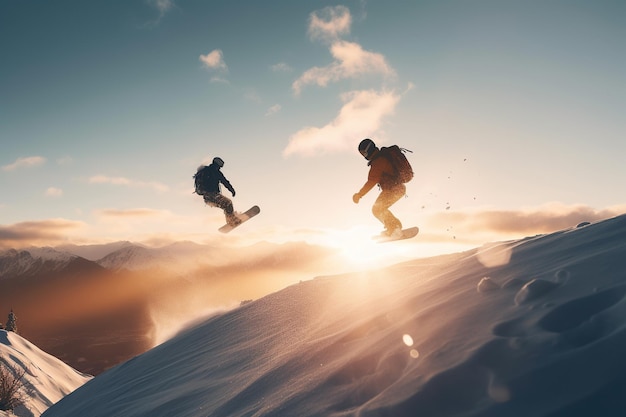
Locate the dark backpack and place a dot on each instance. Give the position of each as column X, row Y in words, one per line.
column 201, row 179
column 395, row 155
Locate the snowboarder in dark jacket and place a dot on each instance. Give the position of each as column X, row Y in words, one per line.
column 207, row 181
column 382, row 173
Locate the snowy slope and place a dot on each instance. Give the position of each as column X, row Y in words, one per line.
column 526, row 328
column 48, row 378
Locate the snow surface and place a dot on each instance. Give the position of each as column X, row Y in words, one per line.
column 47, row 378
column 534, row 327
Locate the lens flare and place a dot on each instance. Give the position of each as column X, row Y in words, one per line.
column 408, row 340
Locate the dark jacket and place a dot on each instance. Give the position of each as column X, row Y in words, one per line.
column 213, row 179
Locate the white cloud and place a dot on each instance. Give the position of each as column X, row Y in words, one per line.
column 330, row 23
column 281, row 67
column 135, row 220
column 351, row 61
column 163, row 6
column 135, row 213
column 273, row 110
column 361, row 116
column 489, row 224
column 38, row 233
column 214, row 60
column 54, row 192
column 219, row 80
column 103, row 179
column 24, row 163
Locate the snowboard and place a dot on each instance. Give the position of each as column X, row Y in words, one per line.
column 244, row 217
column 406, row 234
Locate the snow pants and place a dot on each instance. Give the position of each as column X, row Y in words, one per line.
column 385, row 200
column 220, row 201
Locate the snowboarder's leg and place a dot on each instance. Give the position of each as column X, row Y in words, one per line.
column 381, row 208
column 223, row 202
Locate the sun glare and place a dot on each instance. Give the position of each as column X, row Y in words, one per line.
column 359, row 250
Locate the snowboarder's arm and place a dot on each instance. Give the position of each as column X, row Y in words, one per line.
column 373, row 178
column 227, row 184
column 229, row 187
column 366, row 188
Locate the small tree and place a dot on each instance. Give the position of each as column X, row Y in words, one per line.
column 12, row 322
column 11, row 383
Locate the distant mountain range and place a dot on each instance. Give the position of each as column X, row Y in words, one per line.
column 177, row 258
column 93, row 306
column 38, row 261
column 119, row 256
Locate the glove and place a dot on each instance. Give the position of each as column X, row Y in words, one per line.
column 356, row 197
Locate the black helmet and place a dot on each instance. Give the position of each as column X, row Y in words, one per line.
column 218, row 161
column 367, row 148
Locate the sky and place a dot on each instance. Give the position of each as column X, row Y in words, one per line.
column 513, row 112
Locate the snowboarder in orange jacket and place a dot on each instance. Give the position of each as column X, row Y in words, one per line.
column 382, row 173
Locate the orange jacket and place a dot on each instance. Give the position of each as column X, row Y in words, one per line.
column 381, row 173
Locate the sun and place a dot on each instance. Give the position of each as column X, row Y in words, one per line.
column 358, row 249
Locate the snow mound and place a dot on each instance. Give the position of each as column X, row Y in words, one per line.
column 543, row 337
column 47, row 379
column 533, row 290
